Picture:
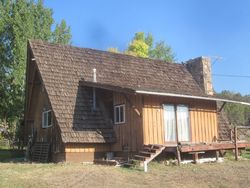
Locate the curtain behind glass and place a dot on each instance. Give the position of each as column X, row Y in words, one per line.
column 183, row 123
column 169, row 123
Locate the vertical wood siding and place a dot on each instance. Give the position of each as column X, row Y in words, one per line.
column 202, row 119
column 38, row 100
column 153, row 121
column 129, row 133
column 203, row 125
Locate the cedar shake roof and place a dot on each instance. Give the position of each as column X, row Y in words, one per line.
column 63, row 67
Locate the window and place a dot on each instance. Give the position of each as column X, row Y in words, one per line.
column 119, row 114
column 47, row 119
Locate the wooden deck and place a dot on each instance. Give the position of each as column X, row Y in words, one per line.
column 212, row 146
column 151, row 151
column 234, row 143
column 196, row 148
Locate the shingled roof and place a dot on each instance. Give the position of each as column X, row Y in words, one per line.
column 62, row 67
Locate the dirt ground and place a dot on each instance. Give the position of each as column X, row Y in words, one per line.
column 226, row 174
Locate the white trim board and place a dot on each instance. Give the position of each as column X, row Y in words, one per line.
column 190, row 97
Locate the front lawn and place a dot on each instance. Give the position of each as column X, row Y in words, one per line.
column 227, row 174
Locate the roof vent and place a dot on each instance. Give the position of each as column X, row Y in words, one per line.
column 94, row 94
column 94, row 75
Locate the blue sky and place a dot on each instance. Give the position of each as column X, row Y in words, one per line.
column 219, row 29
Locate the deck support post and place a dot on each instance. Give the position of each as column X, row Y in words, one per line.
column 236, row 144
column 217, row 155
column 195, row 157
column 178, row 154
column 145, row 165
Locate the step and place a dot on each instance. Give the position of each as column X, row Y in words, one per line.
column 145, row 153
column 155, row 146
column 40, row 152
column 141, row 158
column 41, row 147
column 128, row 165
column 149, row 150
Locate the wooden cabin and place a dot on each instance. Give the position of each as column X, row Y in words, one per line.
column 87, row 104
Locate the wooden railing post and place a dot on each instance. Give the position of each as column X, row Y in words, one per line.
column 231, row 134
column 235, row 144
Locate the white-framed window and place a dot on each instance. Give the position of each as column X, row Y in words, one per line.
column 47, row 119
column 119, row 114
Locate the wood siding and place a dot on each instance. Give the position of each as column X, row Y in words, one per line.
column 130, row 133
column 85, row 152
column 203, row 125
column 202, row 119
column 36, row 102
column 153, row 128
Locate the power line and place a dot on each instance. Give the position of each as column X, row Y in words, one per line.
column 231, row 75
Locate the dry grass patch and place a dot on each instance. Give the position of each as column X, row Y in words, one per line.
column 227, row 174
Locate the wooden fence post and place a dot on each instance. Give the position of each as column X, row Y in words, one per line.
column 235, row 144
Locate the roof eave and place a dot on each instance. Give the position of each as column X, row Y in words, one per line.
column 190, row 97
column 106, row 86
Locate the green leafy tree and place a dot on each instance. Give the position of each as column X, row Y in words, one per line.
column 138, row 48
column 237, row 114
column 19, row 21
column 162, row 51
column 114, row 50
column 143, row 46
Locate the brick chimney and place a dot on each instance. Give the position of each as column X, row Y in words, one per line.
column 200, row 68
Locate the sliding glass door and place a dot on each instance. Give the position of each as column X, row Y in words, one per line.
column 176, row 123
column 183, row 123
column 169, row 123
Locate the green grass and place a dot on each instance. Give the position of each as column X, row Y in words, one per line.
column 246, row 153
column 230, row 155
column 4, row 147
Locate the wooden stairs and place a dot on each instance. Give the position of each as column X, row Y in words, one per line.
column 40, row 152
column 148, row 153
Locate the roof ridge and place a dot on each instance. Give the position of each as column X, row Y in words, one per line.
column 98, row 51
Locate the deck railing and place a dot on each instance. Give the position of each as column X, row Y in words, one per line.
column 238, row 134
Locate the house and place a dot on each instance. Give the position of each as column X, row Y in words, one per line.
column 86, row 103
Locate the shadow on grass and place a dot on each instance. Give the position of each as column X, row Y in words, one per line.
column 132, row 168
column 156, row 165
column 11, row 155
column 246, row 153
